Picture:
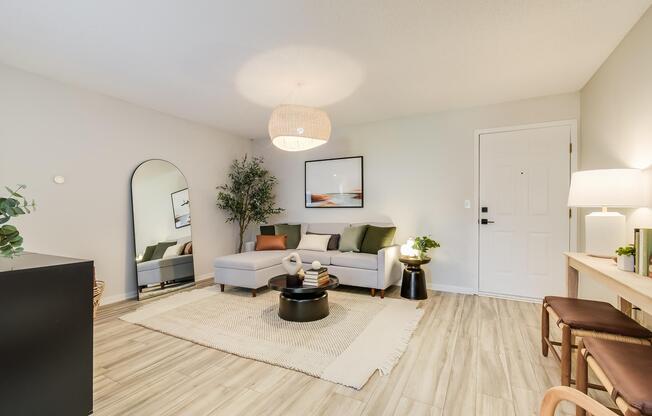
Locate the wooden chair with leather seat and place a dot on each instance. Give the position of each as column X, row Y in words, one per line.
column 585, row 318
column 624, row 369
column 555, row 395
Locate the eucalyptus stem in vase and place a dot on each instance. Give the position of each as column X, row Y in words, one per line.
column 11, row 242
column 423, row 244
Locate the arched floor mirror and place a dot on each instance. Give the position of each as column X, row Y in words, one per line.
column 162, row 229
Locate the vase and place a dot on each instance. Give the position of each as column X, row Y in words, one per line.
column 626, row 263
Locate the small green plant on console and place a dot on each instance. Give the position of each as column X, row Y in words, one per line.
column 11, row 242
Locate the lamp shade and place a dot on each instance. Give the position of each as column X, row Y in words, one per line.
column 294, row 128
column 609, row 188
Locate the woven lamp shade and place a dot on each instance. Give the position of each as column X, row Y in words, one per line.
column 294, row 128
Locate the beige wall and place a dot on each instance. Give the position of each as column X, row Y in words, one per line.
column 48, row 128
column 617, row 116
column 417, row 173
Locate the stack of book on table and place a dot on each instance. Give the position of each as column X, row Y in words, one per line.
column 316, row 277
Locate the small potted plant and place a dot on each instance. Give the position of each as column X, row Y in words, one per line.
column 626, row 258
column 422, row 245
column 11, row 242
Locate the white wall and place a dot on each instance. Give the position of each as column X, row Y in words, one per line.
column 151, row 187
column 48, row 128
column 417, row 173
column 617, row 116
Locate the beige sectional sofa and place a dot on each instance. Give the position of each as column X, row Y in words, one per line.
column 252, row 269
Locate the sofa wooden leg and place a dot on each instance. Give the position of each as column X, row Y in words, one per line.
column 373, row 292
column 382, row 293
column 545, row 330
column 565, row 355
column 221, row 287
column 253, row 293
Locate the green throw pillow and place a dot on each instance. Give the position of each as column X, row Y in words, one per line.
column 293, row 231
column 352, row 237
column 149, row 252
column 376, row 238
column 160, row 249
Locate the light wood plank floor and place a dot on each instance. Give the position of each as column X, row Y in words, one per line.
column 470, row 355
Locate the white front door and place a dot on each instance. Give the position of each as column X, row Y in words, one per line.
column 524, row 180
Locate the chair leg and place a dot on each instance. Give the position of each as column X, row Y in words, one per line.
column 373, row 292
column 221, row 287
column 382, row 293
column 582, row 377
column 565, row 355
column 253, row 293
column 545, row 330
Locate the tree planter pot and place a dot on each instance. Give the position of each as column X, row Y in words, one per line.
column 626, row 263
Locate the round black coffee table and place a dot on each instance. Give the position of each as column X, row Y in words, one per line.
column 300, row 303
column 413, row 285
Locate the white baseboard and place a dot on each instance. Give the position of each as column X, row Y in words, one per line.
column 451, row 288
column 510, row 297
column 204, row 276
column 133, row 294
column 118, row 298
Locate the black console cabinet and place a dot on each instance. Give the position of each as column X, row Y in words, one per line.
column 46, row 336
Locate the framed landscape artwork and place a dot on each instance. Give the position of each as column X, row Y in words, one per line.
column 334, row 183
column 181, row 208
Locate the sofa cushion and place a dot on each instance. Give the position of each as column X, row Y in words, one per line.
column 267, row 230
column 326, row 227
column 352, row 237
column 356, row 260
column 308, row 257
column 166, row 262
column 314, row 242
column 333, row 241
column 149, row 252
column 271, row 242
column 251, row 260
column 160, row 249
column 376, row 238
column 293, row 231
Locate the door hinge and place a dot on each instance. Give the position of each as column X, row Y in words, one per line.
column 571, row 147
column 570, row 213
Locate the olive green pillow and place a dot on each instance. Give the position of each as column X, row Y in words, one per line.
column 352, row 237
column 160, row 249
column 376, row 238
column 149, row 252
column 293, row 231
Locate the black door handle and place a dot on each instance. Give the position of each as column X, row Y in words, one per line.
column 486, row 221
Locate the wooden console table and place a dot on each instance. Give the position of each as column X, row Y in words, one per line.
column 631, row 288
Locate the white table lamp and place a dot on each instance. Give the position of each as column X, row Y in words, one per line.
column 606, row 188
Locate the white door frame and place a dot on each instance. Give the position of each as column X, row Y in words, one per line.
column 476, row 189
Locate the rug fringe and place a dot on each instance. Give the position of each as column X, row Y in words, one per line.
column 402, row 345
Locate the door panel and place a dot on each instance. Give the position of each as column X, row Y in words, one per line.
column 524, row 180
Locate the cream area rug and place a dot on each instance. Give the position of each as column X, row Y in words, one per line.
column 362, row 334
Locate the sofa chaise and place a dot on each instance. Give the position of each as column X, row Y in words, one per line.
column 252, row 269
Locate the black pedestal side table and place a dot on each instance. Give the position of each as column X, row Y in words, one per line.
column 299, row 303
column 413, row 285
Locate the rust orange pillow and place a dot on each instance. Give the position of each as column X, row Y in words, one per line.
column 271, row 242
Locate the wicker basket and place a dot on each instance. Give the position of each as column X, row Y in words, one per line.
column 98, row 289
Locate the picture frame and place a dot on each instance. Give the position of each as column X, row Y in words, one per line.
column 181, row 208
column 334, row 183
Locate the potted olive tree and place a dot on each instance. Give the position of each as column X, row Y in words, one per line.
column 248, row 197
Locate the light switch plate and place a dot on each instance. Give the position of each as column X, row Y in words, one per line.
column 467, row 204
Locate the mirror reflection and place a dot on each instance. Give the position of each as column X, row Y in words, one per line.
column 162, row 228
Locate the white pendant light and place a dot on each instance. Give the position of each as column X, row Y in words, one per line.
column 294, row 128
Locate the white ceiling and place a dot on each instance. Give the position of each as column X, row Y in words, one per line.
column 228, row 62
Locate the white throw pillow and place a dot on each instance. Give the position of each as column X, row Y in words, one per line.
column 174, row 250
column 314, row 242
